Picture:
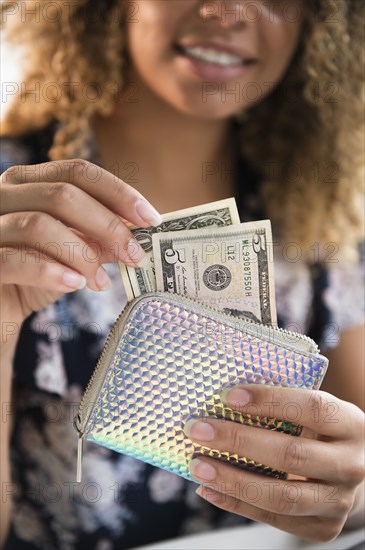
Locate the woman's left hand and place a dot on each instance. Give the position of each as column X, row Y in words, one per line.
column 325, row 464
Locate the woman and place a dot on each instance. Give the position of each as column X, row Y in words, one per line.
column 189, row 102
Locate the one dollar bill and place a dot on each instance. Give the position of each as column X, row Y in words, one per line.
column 142, row 279
column 229, row 268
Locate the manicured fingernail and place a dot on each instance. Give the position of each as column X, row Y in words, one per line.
column 235, row 396
column 203, row 470
column 196, row 429
column 102, row 279
column 148, row 213
column 135, row 253
column 74, row 280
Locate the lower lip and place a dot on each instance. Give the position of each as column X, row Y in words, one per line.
column 215, row 73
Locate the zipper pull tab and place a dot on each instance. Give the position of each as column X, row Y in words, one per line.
column 79, row 458
column 77, row 426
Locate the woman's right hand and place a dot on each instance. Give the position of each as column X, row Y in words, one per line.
column 59, row 222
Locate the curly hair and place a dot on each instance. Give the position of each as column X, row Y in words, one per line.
column 313, row 138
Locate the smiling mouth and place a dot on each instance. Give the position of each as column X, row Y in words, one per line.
column 213, row 56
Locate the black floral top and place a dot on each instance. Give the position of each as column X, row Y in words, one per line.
column 122, row 502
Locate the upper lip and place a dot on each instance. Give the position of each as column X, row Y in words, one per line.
column 219, row 46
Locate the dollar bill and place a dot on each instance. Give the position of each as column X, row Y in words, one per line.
column 229, row 268
column 140, row 280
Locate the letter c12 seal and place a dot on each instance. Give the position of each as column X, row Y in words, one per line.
column 217, row 277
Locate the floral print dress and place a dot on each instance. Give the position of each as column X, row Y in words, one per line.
column 122, row 502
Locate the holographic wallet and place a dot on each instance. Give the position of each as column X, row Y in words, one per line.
column 166, row 360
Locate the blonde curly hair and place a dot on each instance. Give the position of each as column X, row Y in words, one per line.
column 313, row 121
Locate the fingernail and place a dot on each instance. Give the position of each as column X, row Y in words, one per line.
column 203, row 470
column 146, row 211
column 135, row 253
column 235, row 396
column 102, row 279
column 196, row 429
column 74, row 280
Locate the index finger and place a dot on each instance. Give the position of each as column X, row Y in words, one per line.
column 116, row 194
column 319, row 411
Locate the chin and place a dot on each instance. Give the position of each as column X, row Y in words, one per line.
column 213, row 109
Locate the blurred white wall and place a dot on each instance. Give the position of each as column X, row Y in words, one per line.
column 10, row 73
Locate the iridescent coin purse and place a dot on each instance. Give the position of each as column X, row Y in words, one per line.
column 166, row 360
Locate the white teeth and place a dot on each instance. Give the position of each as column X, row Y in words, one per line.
column 213, row 56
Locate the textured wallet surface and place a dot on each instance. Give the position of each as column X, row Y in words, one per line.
column 166, row 360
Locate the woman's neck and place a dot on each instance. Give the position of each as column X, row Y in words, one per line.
column 173, row 159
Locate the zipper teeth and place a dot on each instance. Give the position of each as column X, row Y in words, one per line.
column 182, row 300
column 78, row 419
column 243, row 323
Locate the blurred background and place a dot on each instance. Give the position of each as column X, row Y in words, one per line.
column 10, row 72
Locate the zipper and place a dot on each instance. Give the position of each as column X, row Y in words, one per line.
column 94, row 386
column 273, row 334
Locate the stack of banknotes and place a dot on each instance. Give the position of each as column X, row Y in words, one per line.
column 207, row 254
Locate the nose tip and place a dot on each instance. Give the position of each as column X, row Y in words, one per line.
column 229, row 13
